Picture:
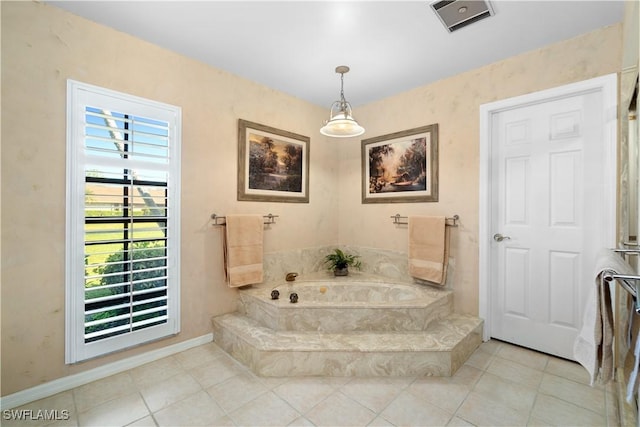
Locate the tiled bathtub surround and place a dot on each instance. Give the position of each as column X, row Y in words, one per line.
column 344, row 304
column 372, row 327
column 440, row 351
column 499, row 385
column 378, row 262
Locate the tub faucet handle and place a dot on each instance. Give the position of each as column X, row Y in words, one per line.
column 291, row 277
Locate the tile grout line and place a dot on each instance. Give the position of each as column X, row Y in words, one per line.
column 539, row 392
column 535, row 399
column 396, row 398
column 224, row 410
column 184, row 371
column 472, row 388
column 148, row 409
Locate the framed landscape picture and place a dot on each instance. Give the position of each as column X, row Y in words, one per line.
column 273, row 164
column 401, row 167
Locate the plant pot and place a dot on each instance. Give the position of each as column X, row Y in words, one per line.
column 341, row 271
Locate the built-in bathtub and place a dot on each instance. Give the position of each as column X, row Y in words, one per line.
column 358, row 325
column 345, row 305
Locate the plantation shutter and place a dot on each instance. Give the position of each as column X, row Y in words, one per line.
column 125, row 152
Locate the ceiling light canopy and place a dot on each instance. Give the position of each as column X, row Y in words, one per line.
column 341, row 123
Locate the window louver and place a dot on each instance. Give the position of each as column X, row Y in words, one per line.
column 125, row 223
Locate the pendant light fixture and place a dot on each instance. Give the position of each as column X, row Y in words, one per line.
column 341, row 123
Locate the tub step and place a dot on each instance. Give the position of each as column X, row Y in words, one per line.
column 438, row 351
column 312, row 313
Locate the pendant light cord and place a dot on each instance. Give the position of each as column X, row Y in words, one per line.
column 342, row 86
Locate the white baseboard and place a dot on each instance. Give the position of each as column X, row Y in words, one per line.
column 72, row 381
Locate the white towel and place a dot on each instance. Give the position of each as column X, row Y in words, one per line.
column 593, row 345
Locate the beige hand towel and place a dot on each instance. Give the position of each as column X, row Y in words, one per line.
column 428, row 249
column 593, row 347
column 244, row 249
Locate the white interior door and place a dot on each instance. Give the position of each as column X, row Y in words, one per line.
column 548, row 209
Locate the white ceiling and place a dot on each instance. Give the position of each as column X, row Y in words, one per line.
column 390, row 46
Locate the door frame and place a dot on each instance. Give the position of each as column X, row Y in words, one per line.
column 606, row 84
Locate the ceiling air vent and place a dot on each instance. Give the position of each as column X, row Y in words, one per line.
column 456, row 14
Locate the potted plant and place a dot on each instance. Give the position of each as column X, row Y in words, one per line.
column 339, row 262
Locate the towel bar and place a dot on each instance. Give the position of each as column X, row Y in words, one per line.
column 451, row 222
column 269, row 219
column 628, row 282
column 628, row 251
column 624, row 280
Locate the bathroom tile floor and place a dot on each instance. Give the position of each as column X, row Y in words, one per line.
column 501, row 384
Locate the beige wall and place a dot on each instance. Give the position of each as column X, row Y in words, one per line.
column 42, row 46
column 454, row 104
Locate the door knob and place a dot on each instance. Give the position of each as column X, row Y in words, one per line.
column 499, row 237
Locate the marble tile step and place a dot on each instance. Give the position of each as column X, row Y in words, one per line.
column 359, row 303
column 439, row 351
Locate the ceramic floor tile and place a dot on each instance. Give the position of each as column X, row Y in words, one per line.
column 156, row 371
column 144, row 422
column 72, row 421
column 118, row 412
column 491, row 346
column 409, row 410
column 266, row 410
column 236, row 391
column 523, row 356
column 561, row 413
column 301, row 422
column 496, row 379
column 163, row 393
column 304, row 393
column 515, row 372
column 576, row 393
column 459, row 422
column 479, row 359
column 271, row 382
column 482, row 411
column 447, row 396
column 215, row 371
column 339, row 410
column 224, row 422
column 570, row 370
column 380, row 422
column 535, row 422
column 198, row 409
column 466, row 375
column 60, row 409
column 509, row 393
column 198, row 355
column 375, row 393
column 612, row 412
column 101, row 391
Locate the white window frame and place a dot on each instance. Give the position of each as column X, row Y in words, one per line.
column 79, row 96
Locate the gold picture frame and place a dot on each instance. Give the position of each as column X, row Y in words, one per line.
column 273, row 164
column 401, row 167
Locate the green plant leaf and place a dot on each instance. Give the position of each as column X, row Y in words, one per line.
column 339, row 259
